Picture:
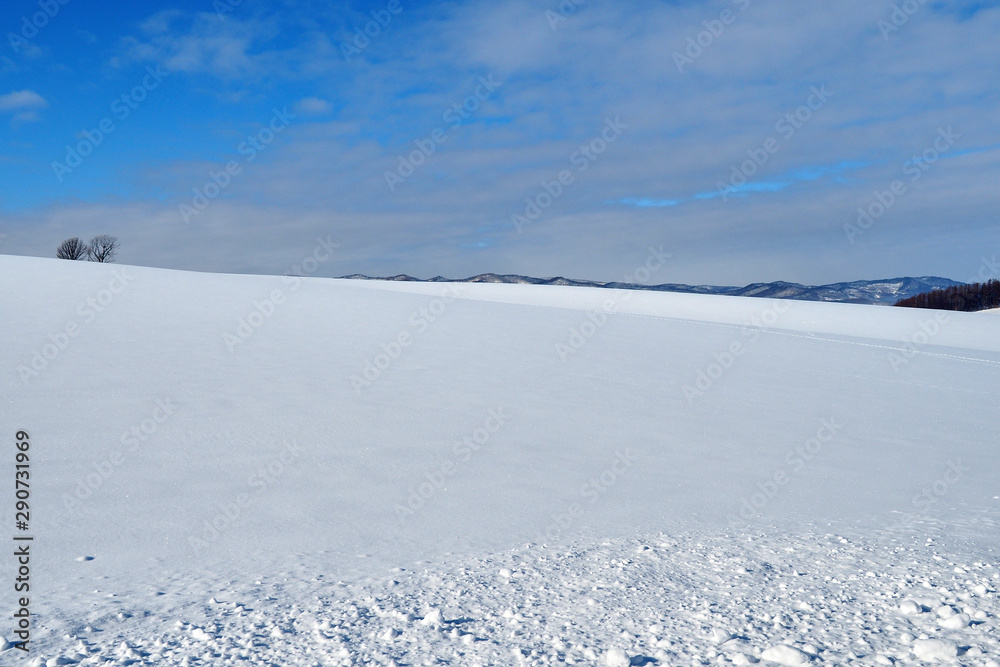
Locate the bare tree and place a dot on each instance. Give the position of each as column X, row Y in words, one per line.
column 72, row 248
column 103, row 248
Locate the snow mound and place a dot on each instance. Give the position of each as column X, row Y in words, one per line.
column 616, row 657
column 934, row 649
column 786, row 655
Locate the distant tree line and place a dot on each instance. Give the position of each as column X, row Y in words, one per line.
column 101, row 248
column 969, row 298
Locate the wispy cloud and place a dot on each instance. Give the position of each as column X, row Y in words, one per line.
column 312, row 106
column 197, row 43
column 22, row 99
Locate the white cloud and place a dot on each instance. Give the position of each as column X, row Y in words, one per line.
column 312, row 106
column 22, row 99
column 160, row 22
column 196, row 43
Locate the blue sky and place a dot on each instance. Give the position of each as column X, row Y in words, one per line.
column 742, row 136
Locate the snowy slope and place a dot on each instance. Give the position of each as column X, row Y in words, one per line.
column 561, row 472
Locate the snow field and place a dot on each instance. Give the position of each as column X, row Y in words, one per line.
column 828, row 496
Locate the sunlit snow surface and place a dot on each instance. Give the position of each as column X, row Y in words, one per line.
column 536, row 475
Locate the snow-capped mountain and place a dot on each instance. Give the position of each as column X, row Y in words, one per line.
column 887, row 291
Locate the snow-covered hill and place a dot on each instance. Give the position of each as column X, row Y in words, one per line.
column 311, row 471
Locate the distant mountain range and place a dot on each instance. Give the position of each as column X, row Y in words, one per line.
column 885, row 292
